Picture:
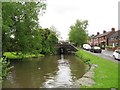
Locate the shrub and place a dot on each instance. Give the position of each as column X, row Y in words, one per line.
column 4, row 67
column 111, row 48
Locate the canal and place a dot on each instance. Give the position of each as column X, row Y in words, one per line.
column 58, row 71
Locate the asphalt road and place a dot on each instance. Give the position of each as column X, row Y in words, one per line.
column 105, row 54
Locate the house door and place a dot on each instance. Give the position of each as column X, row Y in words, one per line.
column 102, row 45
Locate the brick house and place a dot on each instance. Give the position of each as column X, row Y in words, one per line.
column 94, row 40
column 91, row 40
column 114, row 39
column 101, row 39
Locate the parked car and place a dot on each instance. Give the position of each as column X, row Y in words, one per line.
column 116, row 54
column 96, row 49
column 86, row 46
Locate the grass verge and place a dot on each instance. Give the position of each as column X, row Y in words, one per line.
column 106, row 74
column 12, row 55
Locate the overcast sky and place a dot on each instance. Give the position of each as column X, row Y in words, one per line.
column 101, row 15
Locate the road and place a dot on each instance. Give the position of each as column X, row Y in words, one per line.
column 105, row 54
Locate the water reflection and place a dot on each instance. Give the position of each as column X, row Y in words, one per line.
column 63, row 77
column 45, row 72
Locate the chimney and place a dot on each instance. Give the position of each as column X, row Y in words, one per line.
column 92, row 35
column 113, row 29
column 98, row 33
column 104, row 31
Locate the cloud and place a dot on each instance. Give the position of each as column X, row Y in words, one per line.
column 101, row 14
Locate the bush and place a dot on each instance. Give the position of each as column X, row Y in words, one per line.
column 111, row 48
column 4, row 67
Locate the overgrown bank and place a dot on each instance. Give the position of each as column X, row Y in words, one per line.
column 106, row 74
column 4, row 68
column 13, row 55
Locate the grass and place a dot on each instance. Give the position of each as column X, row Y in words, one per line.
column 106, row 74
column 12, row 55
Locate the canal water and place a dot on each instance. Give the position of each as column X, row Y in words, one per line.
column 59, row 71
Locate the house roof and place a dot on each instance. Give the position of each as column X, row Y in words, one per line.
column 104, row 34
column 92, row 36
column 116, row 33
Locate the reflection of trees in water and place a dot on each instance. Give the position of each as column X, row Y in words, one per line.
column 32, row 73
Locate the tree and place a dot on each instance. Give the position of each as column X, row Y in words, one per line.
column 53, row 28
column 49, row 39
column 20, row 20
column 78, row 33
